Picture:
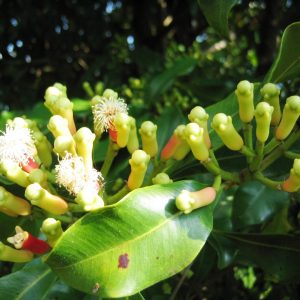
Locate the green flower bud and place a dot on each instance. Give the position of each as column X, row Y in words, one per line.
column 84, row 139
column 198, row 115
column 194, row 135
column 122, row 126
column 88, row 89
column 149, row 141
column 109, row 93
column 14, row 204
column 59, row 126
column 291, row 113
column 188, row 201
column 58, row 104
column 52, row 229
column 43, row 147
column 64, row 144
column 12, row 255
column 18, row 122
column 99, row 87
column 38, row 176
column 62, row 88
column 292, row 183
column 89, row 200
column 270, row 93
column 244, row 93
column 13, row 172
column 42, row 198
column 263, row 116
column 133, row 141
column 183, row 148
column 161, row 178
column 222, row 124
column 139, row 163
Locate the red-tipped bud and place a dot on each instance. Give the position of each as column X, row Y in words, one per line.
column 24, row 240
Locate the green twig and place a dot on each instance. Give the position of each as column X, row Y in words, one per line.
column 271, row 145
column 178, row 286
column 118, row 196
column 279, row 151
column 215, row 170
column 217, row 182
column 291, row 155
column 267, row 181
column 213, row 157
column 259, row 149
column 250, row 154
column 247, row 130
column 111, row 153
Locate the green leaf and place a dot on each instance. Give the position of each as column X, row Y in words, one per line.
column 128, row 246
column 81, row 105
column 160, row 83
column 61, row 291
column 39, row 113
column 216, row 13
column 255, row 203
column 32, row 282
column 99, row 150
column 278, row 255
column 287, row 63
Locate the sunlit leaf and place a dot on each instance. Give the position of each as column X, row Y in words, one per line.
column 126, row 247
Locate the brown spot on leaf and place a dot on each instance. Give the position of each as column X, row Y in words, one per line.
column 96, row 288
column 123, row 261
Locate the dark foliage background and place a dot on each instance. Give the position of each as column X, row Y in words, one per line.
column 73, row 41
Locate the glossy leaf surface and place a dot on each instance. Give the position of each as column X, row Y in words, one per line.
column 126, row 247
column 254, row 203
column 31, row 282
column 278, row 255
column 287, row 63
column 216, row 13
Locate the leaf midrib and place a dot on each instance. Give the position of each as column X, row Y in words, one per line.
column 32, row 284
column 230, row 236
column 287, row 69
column 122, row 244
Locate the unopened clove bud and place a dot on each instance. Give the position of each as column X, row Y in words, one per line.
column 149, row 141
column 194, row 135
column 290, row 115
column 244, row 93
column 222, row 124
column 270, row 93
column 139, row 163
column 263, row 117
column 188, row 201
column 42, row 198
column 198, row 115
